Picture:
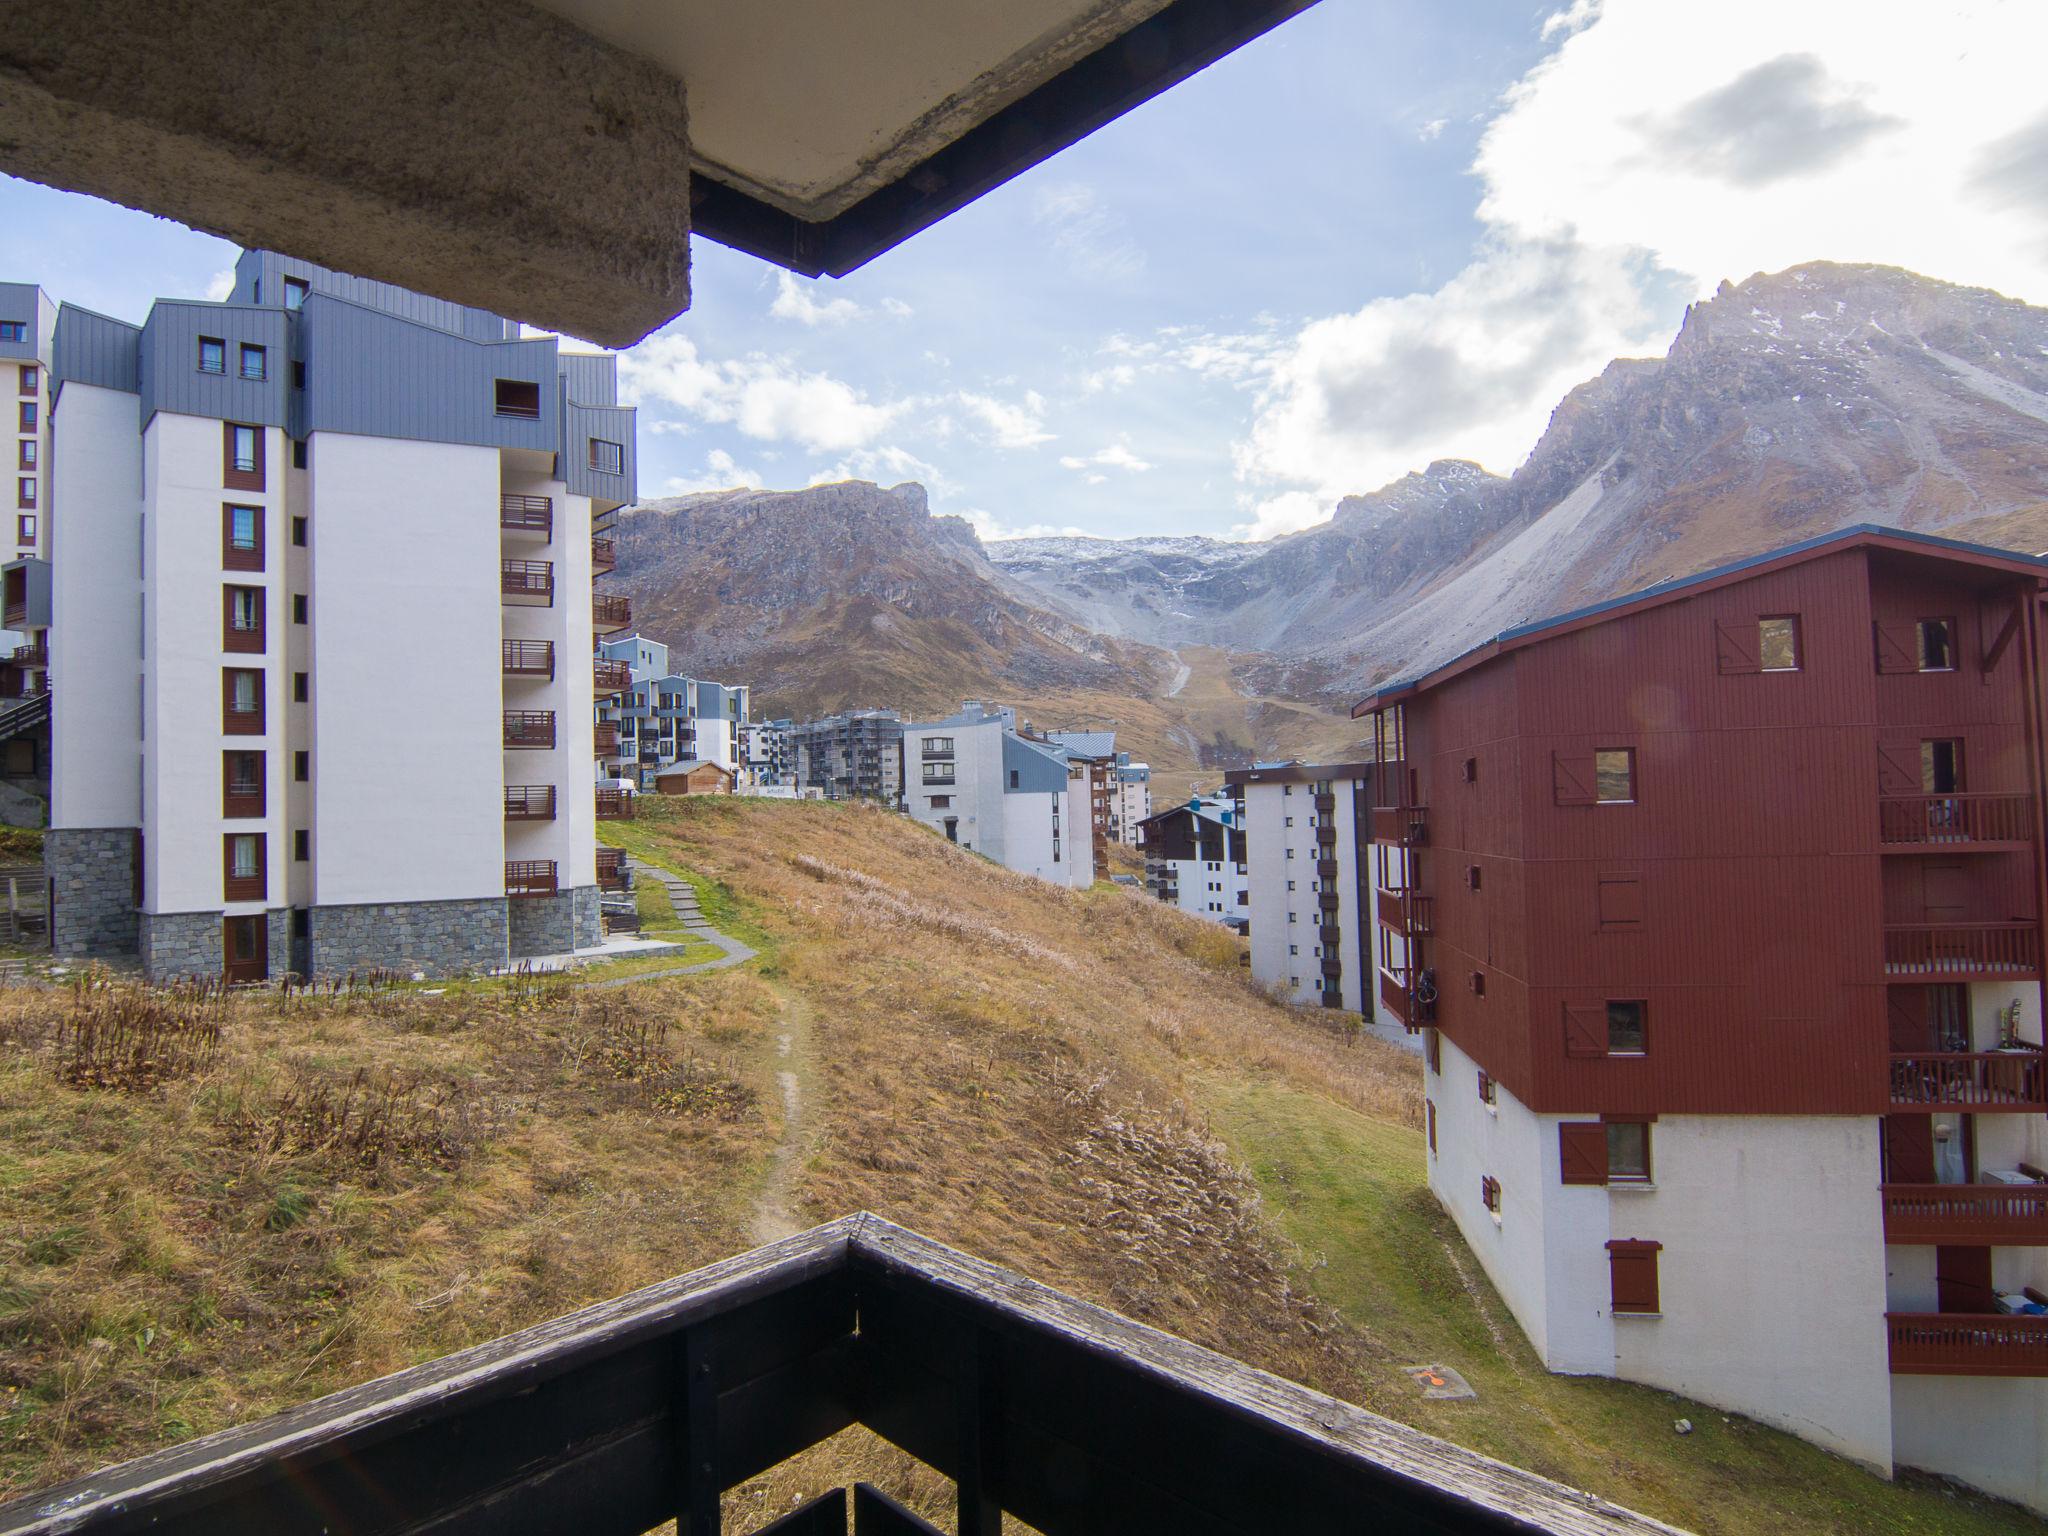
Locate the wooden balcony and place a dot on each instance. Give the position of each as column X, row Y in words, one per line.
column 1326, row 869
column 35, row 654
column 529, row 658
column 1412, row 1005
column 1405, row 826
column 527, row 581
column 1967, row 1344
column 529, row 728
column 1326, row 803
column 527, row 514
column 612, row 676
column 610, row 612
column 604, row 738
column 1405, row 912
column 2014, row 1215
column 614, row 805
column 530, row 877
column 1955, row 823
column 604, row 556
column 529, row 802
column 611, row 869
column 1962, row 951
column 1970, row 1080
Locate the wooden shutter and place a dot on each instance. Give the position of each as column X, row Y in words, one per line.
column 1572, row 778
column 1619, row 902
column 1433, row 1048
column 1582, row 1151
column 1633, row 1270
column 1898, row 648
column 1585, row 1030
column 1735, row 647
column 1429, row 1108
column 1898, row 767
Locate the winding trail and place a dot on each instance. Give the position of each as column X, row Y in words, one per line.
column 774, row 1209
column 683, row 897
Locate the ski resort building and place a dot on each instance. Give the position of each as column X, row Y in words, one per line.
column 1195, row 858
column 856, row 755
column 28, row 324
column 987, row 787
column 650, row 718
column 1305, row 831
column 1720, row 906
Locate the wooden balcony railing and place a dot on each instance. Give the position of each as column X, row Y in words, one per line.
column 527, row 514
column 1408, row 995
column 612, row 676
column 1406, row 826
column 35, row 654
column 530, row 877
column 529, row 728
column 529, row 802
column 610, row 611
column 614, row 805
column 604, row 556
column 1967, row 1344
column 1326, row 869
column 1974, row 1080
column 1405, row 913
column 1954, row 820
column 611, row 869
column 527, row 579
column 1962, row 951
column 2008, row 1214
column 604, row 738
column 529, row 658
column 1326, row 803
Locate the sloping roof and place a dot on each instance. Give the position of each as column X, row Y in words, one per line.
column 1867, row 535
column 691, row 765
column 1086, row 743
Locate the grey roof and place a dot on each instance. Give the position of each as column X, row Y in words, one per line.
column 690, row 765
column 1086, row 743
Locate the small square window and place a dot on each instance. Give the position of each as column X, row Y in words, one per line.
column 295, row 291
column 607, row 458
column 13, row 330
column 1470, row 771
column 25, row 491
column 25, row 528
column 302, row 845
column 1474, row 877
column 298, row 607
column 301, row 687
column 25, row 415
column 1628, row 1151
column 1614, row 775
column 25, row 455
column 1485, row 1086
column 1777, row 643
column 254, row 362
column 1937, row 642
column 213, row 355
column 1479, row 990
column 1626, row 1033
column 520, row 398
column 299, row 456
column 30, row 378
column 302, row 767
column 1489, row 1193
column 299, row 526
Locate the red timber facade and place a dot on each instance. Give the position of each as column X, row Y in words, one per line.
column 1728, row 898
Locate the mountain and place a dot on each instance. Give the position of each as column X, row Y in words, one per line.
column 1788, row 405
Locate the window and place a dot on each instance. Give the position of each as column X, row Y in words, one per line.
column 1625, row 1029
column 25, row 414
column 242, row 619
column 1288, row 819
column 295, row 291
column 938, row 746
column 301, row 687
column 1433, row 1050
column 1936, row 644
column 607, row 458
column 299, row 457
column 518, row 397
column 1290, row 853
column 241, row 538
column 242, row 859
column 1290, row 884
column 1013, row 778
column 1614, row 1150
column 1489, row 1193
column 242, row 447
column 25, row 454
column 298, row 607
column 1617, row 1027
column 1628, row 1151
column 241, row 784
column 25, row 528
column 213, row 355
column 1618, row 902
column 1479, row 990
column 299, row 523
column 298, row 375
column 1291, row 917
column 253, row 361
column 1632, row 1270
column 1294, row 949
column 1470, row 772
column 1473, row 877
column 938, row 773
column 241, row 456
column 13, row 330
column 25, row 491
column 1429, row 1115
column 241, row 701
column 302, row 845
column 1614, row 775
column 302, row 767
column 1777, row 643
column 30, row 377
column 1486, row 1095
column 941, row 802
column 302, row 923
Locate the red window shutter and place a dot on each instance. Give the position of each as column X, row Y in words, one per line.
column 1735, row 647
column 1572, row 778
column 1898, row 648
column 1585, row 1031
column 1632, row 1267
column 1582, row 1152
column 1619, row 902
column 1433, row 1048
column 1898, row 767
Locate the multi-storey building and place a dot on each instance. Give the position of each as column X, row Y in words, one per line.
column 1093, row 757
column 1721, row 905
column 857, row 755
column 323, row 627
column 767, row 761
column 1195, row 859
column 1130, row 799
column 1005, row 795
column 1305, row 828
column 657, row 718
column 28, row 324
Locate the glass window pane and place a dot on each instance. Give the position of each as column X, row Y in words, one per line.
column 1778, row 644
column 1614, row 774
column 1625, row 1029
column 1628, row 1151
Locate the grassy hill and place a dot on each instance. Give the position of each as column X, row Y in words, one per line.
column 1081, row 1085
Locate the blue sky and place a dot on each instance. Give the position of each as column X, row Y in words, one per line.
column 1387, row 232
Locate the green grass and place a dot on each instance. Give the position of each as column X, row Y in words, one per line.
column 721, row 908
column 1349, row 1192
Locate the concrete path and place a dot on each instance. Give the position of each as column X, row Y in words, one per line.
column 683, row 897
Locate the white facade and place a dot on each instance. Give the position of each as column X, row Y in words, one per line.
column 1190, row 859
column 1130, row 799
column 980, row 784
column 1312, row 935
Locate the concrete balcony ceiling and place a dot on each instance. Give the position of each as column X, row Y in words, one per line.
column 548, row 162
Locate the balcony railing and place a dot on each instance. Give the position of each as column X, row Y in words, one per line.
column 529, row 728
column 530, row 877
column 1974, row 1080
column 527, row 514
column 1326, row 869
column 529, row 658
column 2009, row 1214
column 1967, row 1344
column 1949, row 821
column 611, row 869
column 1408, row 995
column 604, row 738
column 1406, row 826
column 1962, row 951
column 529, row 802
column 604, row 556
column 35, row 654
column 610, row 611
column 531, row 579
column 612, row 676
column 1411, row 915
column 614, row 805
column 1326, row 803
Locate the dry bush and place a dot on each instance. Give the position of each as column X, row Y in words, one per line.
column 613, row 1038
column 134, row 1039
column 370, row 1122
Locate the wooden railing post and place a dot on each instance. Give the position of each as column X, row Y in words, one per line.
column 980, row 1423
column 696, row 1460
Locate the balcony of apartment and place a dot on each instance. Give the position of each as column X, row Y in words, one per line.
column 1403, row 826
column 614, row 805
column 611, row 869
column 2002, row 1215
column 529, row 728
column 610, row 612
column 529, row 658
column 1955, row 823
column 34, row 654
column 1326, row 832
column 2007, row 951
column 14, row 599
column 529, row 516
column 2014, row 1078
column 611, row 676
column 530, row 877
column 1406, row 913
column 527, row 582
column 529, row 802
column 1326, row 869
column 1326, row 803
column 1967, row 1344
column 1329, row 935
column 1409, row 993
column 604, row 556
column 604, row 738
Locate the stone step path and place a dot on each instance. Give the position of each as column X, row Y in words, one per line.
column 683, row 897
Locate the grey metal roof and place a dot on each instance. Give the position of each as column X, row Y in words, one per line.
column 1086, row 743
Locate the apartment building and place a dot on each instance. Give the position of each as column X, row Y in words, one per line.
column 650, row 718
column 856, row 755
column 987, row 787
column 1720, row 905
column 767, row 760
column 28, row 323
column 1195, row 859
column 323, row 621
column 1092, row 759
column 1130, row 799
column 1306, row 828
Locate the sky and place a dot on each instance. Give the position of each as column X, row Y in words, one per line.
column 1388, row 232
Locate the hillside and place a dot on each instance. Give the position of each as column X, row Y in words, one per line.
column 1080, row 1085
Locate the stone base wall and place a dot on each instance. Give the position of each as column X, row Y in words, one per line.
column 440, row 938
column 93, row 875
column 589, row 916
column 180, row 944
column 554, row 925
column 279, row 935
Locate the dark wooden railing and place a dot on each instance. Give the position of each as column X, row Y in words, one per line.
column 1398, row 992
column 35, row 654
column 527, row 578
column 612, row 676
column 529, row 658
column 529, row 728
column 1406, row 826
column 1326, row 869
column 1405, row 914
column 527, row 514
column 642, row 1410
column 2015, row 1079
column 610, row 610
column 530, row 877
column 604, row 738
column 604, row 555
column 529, row 802
column 614, row 805
column 611, row 869
column 1947, row 819
column 2015, row 1214
column 1967, row 1344
column 1962, row 951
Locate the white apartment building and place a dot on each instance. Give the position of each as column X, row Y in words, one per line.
column 986, row 787
column 650, row 718
column 1130, row 799
column 322, row 615
column 1195, row 858
column 1312, row 929
column 28, row 323
column 767, row 759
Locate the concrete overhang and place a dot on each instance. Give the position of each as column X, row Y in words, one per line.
column 540, row 160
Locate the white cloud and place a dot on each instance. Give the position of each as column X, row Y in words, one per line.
column 1289, row 512
column 990, row 530
column 896, row 309
column 1579, row 16
column 766, row 397
column 1009, row 424
column 1433, row 129
column 886, row 465
column 799, row 302
column 721, row 473
column 220, row 285
column 1088, row 235
column 1117, row 455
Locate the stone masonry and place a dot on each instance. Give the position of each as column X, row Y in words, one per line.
column 554, row 925
column 92, row 870
column 179, row 944
column 441, row 938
